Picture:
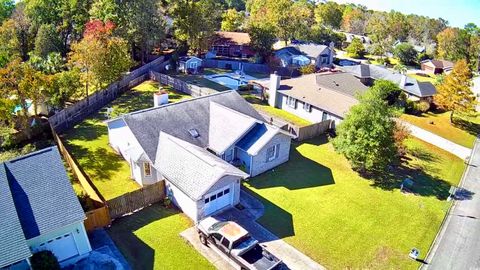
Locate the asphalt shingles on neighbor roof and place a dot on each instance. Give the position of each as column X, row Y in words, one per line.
column 412, row 86
column 177, row 118
column 42, row 193
column 227, row 127
column 190, row 168
column 13, row 246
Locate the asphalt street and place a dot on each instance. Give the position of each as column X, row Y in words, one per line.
column 458, row 244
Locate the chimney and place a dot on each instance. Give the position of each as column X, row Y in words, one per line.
column 332, row 52
column 403, row 81
column 160, row 98
column 272, row 91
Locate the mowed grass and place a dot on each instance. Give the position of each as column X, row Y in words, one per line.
column 317, row 203
column 275, row 112
column 463, row 132
column 420, row 78
column 149, row 239
column 88, row 142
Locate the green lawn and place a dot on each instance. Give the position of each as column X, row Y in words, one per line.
column 422, row 78
column 150, row 239
column 88, row 142
column 264, row 107
column 462, row 132
column 319, row 205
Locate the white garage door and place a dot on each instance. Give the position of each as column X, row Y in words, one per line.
column 218, row 200
column 63, row 247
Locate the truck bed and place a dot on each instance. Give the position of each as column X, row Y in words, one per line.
column 259, row 259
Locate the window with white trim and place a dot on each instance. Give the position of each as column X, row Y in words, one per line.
column 147, row 170
column 272, row 152
column 291, row 102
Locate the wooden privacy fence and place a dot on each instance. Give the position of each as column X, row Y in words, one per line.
column 136, row 200
column 181, row 86
column 74, row 114
column 235, row 65
column 301, row 133
column 310, row 131
column 98, row 217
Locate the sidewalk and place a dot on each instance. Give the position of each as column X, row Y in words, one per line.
column 458, row 150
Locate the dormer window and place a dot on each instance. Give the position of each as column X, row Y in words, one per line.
column 194, row 133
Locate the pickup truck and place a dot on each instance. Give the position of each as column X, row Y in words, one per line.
column 236, row 243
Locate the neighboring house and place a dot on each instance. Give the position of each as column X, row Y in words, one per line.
column 303, row 54
column 39, row 211
column 232, row 44
column 476, row 91
column 433, row 66
column 316, row 97
column 189, row 64
column 194, row 145
column 349, row 37
column 414, row 89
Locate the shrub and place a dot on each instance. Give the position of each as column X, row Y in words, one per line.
column 44, row 260
column 308, row 69
column 245, row 87
column 356, row 49
column 406, row 53
column 423, row 106
column 85, row 201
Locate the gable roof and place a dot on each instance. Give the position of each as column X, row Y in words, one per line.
column 231, row 38
column 311, row 50
column 42, row 193
column 258, row 137
column 444, row 64
column 329, row 97
column 178, row 118
column 13, row 246
column 411, row 85
column 190, row 168
column 227, row 127
column 341, row 82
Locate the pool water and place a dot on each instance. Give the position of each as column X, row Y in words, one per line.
column 232, row 81
column 346, row 62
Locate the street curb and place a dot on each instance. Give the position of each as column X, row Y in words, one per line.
column 446, row 219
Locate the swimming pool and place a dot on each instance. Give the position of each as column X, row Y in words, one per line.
column 230, row 80
column 347, row 62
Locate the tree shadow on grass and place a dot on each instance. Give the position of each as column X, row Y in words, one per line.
column 298, row 173
column 138, row 254
column 468, row 126
column 99, row 163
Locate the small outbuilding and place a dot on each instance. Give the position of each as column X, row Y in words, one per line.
column 189, row 64
column 434, row 66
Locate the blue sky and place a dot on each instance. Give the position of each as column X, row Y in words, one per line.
column 456, row 12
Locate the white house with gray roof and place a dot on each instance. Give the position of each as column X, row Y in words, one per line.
column 39, row 211
column 202, row 148
column 303, row 54
column 316, row 97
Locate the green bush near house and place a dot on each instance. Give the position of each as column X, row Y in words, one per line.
column 44, row 260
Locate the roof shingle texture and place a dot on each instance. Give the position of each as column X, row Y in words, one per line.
column 177, row 118
column 42, row 192
column 190, row 168
column 13, row 246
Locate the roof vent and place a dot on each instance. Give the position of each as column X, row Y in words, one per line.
column 336, row 84
column 194, row 133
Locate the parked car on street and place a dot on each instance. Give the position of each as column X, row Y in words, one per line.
column 236, row 243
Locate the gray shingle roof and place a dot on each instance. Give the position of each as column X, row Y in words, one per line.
column 344, row 83
column 311, row 50
column 190, row 168
column 412, row 86
column 13, row 246
column 227, row 127
column 42, row 192
column 177, row 118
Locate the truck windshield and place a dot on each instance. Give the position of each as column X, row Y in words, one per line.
column 217, row 226
column 243, row 242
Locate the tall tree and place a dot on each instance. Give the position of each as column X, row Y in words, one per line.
column 454, row 93
column 9, row 44
column 195, row 22
column 329, row 14
column 232, row 20
column 6, row 9
column 23, row 30
column 354, row 19
column 47, row 41
column 367, row 134
column 262, row 39
column 355, row 49
column 406, row 53
column 452, row 44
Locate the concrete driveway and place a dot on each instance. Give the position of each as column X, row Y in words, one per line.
column 293, row 258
